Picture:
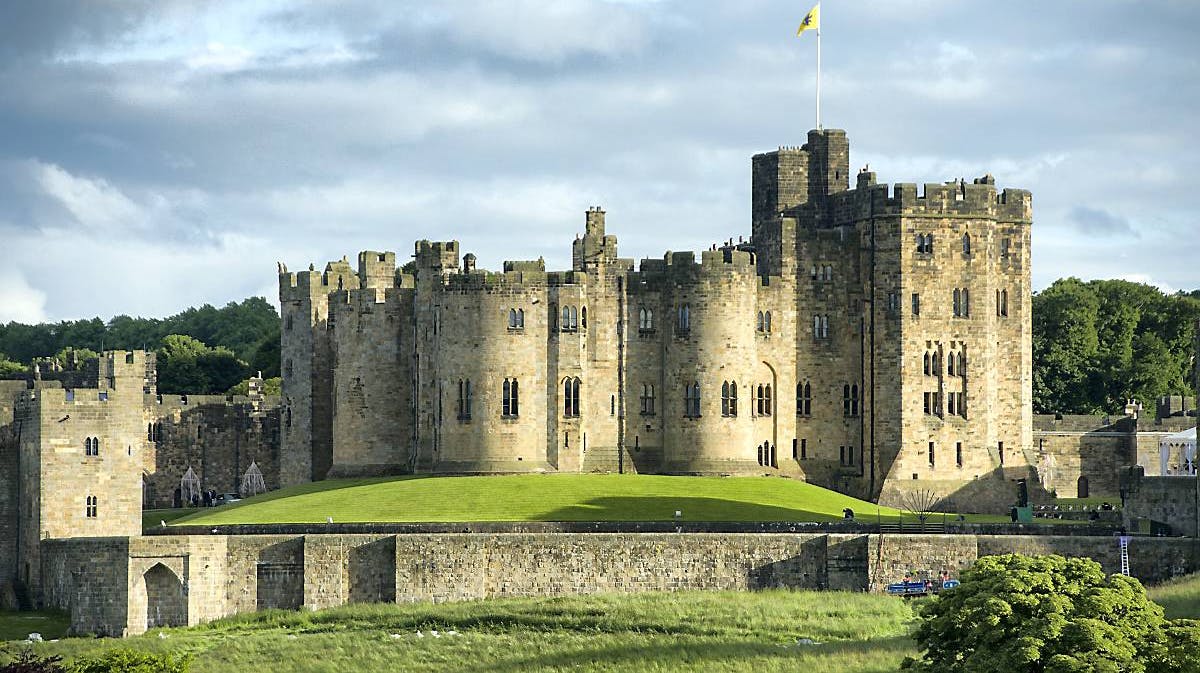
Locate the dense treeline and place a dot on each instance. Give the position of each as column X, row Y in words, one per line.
column 201, row 350
column 1098, row 343
column 1095, row 344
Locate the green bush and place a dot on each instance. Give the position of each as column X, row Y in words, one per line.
column 124, row 660
column 26, row 661
column 1049, row 614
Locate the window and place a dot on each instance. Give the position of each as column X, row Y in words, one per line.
column 932, row 461
column 762, row 400
column 924, row 244
column 149, row 432
column 893, row 302
column 795, row 451
column 647, row 399
column 846, row 456
column 804, row 399
column 764, row 322
column 927, row 363
column 1002, row 303
column 287, row 323
column 803, row 449
column 957, row 303
column 583, row 317
column 464, row 399
column 1000, row 450
column 729, row 398
column 645, row 320
column 932, row 403
column 962, row 363
column 951, row 400
column 828, row 273
column 91, row 507
column 569, row 321
column 850, row 400
column 1004, row 247
column 103, row 396
column 966, row 303
column 691, row 400
column 571, row 397
column 820, row 326
column 516, row 319
column 684, row 321
column 958, row 454
column 967, row 245
column 91, row 446
column 916, row 303
column 511, row 405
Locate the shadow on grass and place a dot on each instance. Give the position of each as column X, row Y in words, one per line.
column 663, row 508
column 18, row 625
column 878, row 654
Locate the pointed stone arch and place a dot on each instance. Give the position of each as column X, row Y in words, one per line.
column 166, row 600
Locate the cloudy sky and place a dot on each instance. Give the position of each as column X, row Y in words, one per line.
column 158, row 155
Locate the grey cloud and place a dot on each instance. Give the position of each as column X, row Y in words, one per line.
column 1100, row 222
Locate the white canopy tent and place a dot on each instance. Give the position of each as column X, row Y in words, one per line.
column 1177, row 454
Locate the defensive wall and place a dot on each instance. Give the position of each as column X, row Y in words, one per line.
column 122, row 585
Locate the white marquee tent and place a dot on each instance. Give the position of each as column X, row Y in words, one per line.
column 1177, row 453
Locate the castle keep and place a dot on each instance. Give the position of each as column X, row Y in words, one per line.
column 866, row 338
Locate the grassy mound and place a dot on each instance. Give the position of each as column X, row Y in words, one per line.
column 693, row 631
column 561, row 497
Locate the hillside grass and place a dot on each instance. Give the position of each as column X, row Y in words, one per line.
column 694, row 631
column 1180, row 597
column 560, row 497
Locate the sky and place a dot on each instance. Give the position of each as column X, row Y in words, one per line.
column 156, row 155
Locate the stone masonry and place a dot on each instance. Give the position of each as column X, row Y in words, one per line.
column 871, row 339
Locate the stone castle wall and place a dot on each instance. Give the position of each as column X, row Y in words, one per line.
column 374, row 360
column 114, row 586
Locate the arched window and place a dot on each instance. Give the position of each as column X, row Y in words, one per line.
column 691, row 400
column 767, row 401
column 684, row 323
column 91, row 507
column 824, row 327
column 928, row 362
column 87, row 446
column 760, row 321
column 574, row 318
column 937, row 364
column 967, row 245
column 950, row 364
column 645, row 319
column 733, row 398
column 804, row 398
column 511, row 404
column 725, row 398
column 647, row 399
column 565, row 321
column 464, row 399
column 828, row 273
column 761, row 457
column 512, row 318
column 767, row 322
column 962, row 363
column 520, row 318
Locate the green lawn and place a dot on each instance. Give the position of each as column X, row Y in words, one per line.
column 18, row 625
column 1180, row 597
column 153, row 518
column 574, row 497
column 693, row 631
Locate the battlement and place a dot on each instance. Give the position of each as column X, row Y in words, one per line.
column 305, row 285
column 509, row 280
column 376, row 269
column 978, row 198
column 438, row 256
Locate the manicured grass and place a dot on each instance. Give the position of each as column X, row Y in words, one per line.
column 693, row 631
column 1180, row 597
column 153, row 518
column 575, row 497
column 18, row 625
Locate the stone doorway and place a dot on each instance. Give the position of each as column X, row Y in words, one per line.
column 166, row 604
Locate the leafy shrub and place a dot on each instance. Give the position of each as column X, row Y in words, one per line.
column 26, row 661
column 124, row 660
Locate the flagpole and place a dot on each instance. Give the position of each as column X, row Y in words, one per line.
column 818, row 75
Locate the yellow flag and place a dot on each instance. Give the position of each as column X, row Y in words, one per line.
column 812, row 20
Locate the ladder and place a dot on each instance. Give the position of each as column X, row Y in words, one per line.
column 1125, row 555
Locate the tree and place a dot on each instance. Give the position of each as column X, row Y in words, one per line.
column 187, row 366
column 1035, row 614
column 10, row 369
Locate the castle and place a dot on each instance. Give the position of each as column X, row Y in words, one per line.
column 869, row 339
column 874, row 340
